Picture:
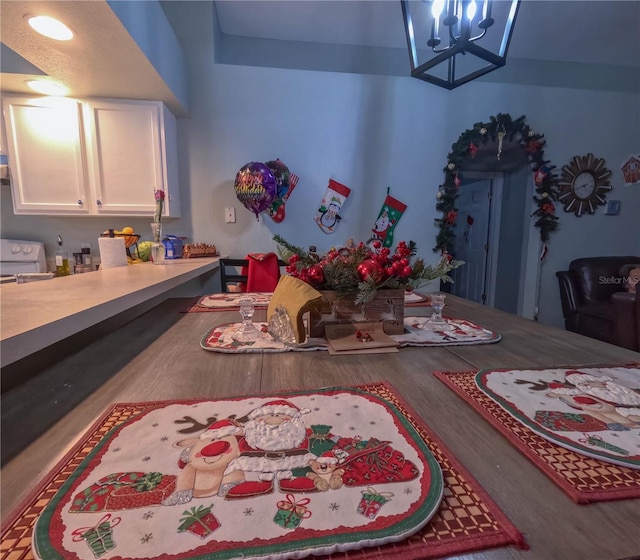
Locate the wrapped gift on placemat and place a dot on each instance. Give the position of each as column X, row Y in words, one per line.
column 98, row 538
column 291, row 513
column 372, row 501
column 126, row 490
column 199, row 521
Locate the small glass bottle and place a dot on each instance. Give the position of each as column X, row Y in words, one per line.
column 62, row 259
column 86, row 255
column 157, row 248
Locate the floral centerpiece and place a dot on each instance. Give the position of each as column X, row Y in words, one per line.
column 360, row 271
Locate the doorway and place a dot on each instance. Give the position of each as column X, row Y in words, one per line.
column 474, row 241
column 493, row 236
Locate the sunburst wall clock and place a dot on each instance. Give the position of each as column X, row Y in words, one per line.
column 583, row 184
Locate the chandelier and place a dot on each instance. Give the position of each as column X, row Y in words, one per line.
column 462, row 37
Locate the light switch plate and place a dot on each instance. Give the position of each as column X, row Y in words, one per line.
column 230, row 215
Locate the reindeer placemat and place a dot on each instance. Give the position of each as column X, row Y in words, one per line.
column 202, row 479
column 580, row 426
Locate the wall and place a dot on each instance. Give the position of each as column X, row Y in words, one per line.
column 148, row 25
column 369, row 132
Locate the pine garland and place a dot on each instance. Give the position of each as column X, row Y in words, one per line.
column 530, row 141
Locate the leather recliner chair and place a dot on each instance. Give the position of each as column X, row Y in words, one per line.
column 586, row 291
column 626, row 321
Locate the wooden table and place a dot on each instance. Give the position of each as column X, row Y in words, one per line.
column 157, row 356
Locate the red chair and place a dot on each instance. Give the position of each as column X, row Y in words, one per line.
column 260, row 272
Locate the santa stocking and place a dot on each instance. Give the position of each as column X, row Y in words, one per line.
column 277, row 211
column 327, row 216
column 390, row 214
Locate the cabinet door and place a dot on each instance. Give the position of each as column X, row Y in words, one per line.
column 126, row 155
column 46, row 155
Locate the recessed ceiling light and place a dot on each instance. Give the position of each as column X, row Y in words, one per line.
column 50, row 27
column 47, row 88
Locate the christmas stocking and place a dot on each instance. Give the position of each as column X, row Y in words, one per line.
column 277, row 211
column 327, row 216
column 390, row 214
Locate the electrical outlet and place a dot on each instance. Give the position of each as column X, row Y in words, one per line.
column 230, row 215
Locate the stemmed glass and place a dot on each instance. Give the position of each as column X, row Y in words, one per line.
column 437, row 322
column 247, row 331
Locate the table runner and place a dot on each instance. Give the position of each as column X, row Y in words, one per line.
column 467, row 520
column 462, row 333
column 585, row 479
column 230, row 301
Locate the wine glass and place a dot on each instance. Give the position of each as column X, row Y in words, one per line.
column 437, row 322
column 247, row 331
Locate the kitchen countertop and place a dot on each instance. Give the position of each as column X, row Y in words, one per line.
column 38, row 314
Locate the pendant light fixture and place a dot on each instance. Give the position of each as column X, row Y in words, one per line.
column 452, row 42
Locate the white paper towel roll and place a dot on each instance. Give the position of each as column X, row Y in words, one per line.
column 112, row 252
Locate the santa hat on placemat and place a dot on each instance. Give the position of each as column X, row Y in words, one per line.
column 585, row 400
column 280, row 406
column 220, row 429
column 571, row 372
column 327, row 458
column 559, row 385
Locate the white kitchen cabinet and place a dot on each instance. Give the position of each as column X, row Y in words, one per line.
column 91, row 157
column 132, row 151
column 46, row 155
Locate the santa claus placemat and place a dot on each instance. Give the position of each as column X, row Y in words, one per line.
column 318, row 472
column 416, row 299
column 456, row 332
column 228, row 301
column 231, row 301
column 188, row 479
column 580, row 426
column 221, row 339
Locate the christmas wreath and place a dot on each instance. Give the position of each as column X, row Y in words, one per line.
column 501, row 127
column 360, row 271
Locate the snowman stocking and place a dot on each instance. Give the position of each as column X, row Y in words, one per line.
column 389, row 216
column 327, row 216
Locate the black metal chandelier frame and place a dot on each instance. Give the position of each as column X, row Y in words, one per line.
column 461, row 44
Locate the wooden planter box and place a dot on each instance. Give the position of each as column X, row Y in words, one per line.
column 387, row 306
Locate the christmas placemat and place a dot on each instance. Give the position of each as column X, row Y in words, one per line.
column 416, row 299
column 457, row 332
column 178, row 480
column 230, row 301
column 578, row 425
column 221, row 339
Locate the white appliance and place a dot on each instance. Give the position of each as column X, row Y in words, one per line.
column 21, row 256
